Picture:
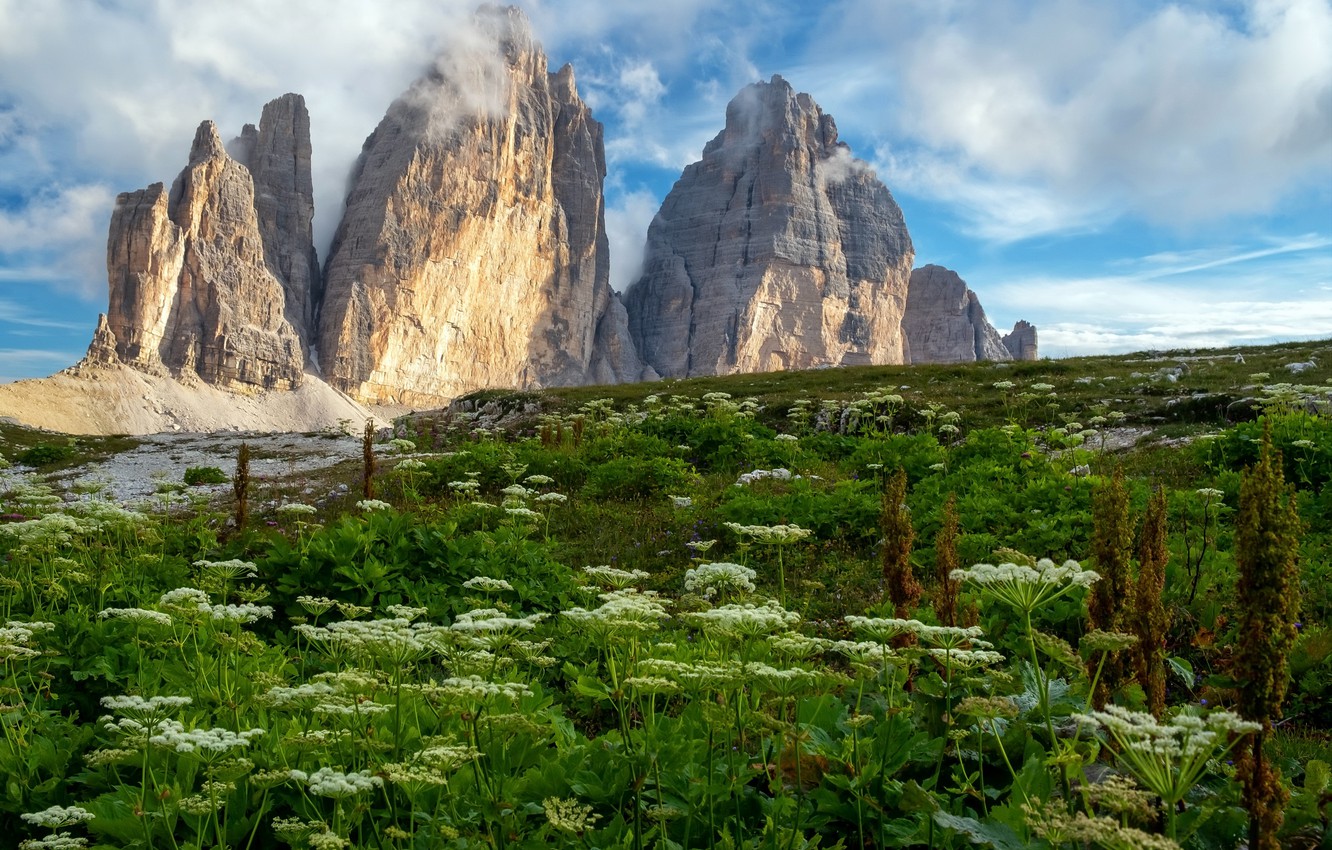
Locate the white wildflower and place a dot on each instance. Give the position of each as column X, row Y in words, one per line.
column 721, row 577
column 58, row 816
column 138, row 615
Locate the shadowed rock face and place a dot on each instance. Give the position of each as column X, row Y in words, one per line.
column 278, row 156
column 777, row 250
column 1021, row 341
column 199, row 280
column 944, row 321
column 473, row 249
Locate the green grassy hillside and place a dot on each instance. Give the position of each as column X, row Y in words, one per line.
column 699, row 613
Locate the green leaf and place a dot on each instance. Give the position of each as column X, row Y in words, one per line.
column 1183, row 669
column 994, row 834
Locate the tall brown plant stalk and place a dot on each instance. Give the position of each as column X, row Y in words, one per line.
column 240, row 485
column 1267, row 540
column 945, row 561
column 1110, row 599
column 368, row 460
column 898, row 536
column 1150, row 620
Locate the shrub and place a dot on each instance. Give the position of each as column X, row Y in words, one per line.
column 629, row 478
column 45, row 454
column 196, row 476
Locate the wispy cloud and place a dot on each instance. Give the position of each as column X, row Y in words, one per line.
column 16, row 363
column 1197, row 297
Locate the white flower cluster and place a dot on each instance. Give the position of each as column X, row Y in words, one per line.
column 778, row 474
column 487, row 584
column 140, row 708
column 1168, row 758
column 882, row 628
column 615, row 578
column 696, row 675
column 410, row 464
column 296, row 509
column 625, row 610
column 477, row 689
column 372, row 505
column 184, row 598
column 1026, row 588
column 390, row 637
column 138, row 615
column 305, row 695
column 406, row 612
column 774, row 534
column 966, row 657
column 16, row 638
column 234, row 568
column 569, row 816
column 787, row 438
column 786, row 679
column 246, row 613
column 720, row 577
column 327, row 782
column 551, row 498
column 493, row 620
column 49, row 530
column 316, row 605
column 1184, row 735
column 174, row 736
column 745, row 619
column 401, row 445
column 681, row 501
column 54, row 841
column 190, row 599
column 58, row 816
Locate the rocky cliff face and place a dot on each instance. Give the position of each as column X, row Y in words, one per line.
column 944, row 321
column 277, row 154
column 777, row 250
column 199, row 277
column 1021, row 341
column 473, row 249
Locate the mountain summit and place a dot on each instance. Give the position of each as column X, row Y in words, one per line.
column 777, row 250
column 473, row 250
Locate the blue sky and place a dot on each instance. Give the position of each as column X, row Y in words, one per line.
column 1124, row 175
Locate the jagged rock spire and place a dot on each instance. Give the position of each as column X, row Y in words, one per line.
column 473, row 249
column 777, row 250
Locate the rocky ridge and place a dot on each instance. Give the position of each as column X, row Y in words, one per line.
column 776, row 250
column 473, row 250
column 944, row 321
column 200, row 276
column 1021, row 341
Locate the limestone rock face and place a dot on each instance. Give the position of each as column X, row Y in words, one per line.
column 278, row 157
column 473, row 249
column 944, row 321
column 1021, row 341
column 777, row 250
column 199, row 276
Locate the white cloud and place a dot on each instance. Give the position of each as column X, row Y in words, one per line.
column 17, row 363
column 66, row 227
column 1280, row 290
column 1024, row 113
column 627, row 222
